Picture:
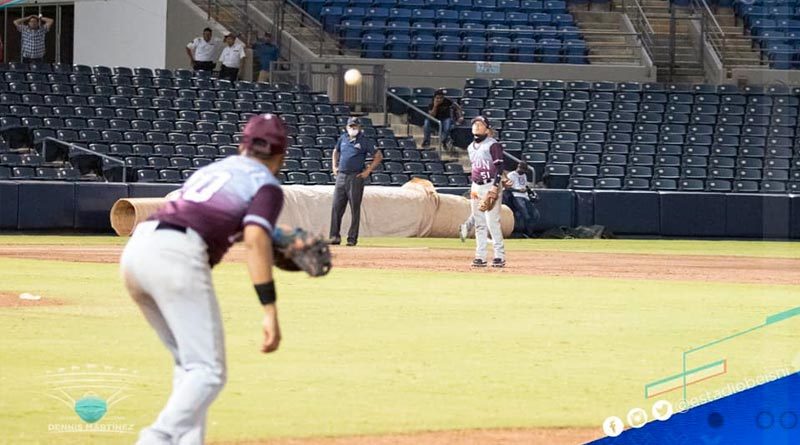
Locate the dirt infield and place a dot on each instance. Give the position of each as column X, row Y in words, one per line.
column 12, row 300
column 521, row 436
column 733, row 269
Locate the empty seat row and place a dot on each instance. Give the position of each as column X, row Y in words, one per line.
column 497, row 49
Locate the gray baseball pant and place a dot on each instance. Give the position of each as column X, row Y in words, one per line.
column 167, row 274
column 486, row 222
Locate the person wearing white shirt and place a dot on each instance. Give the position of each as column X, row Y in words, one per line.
column 231, row 58
column 522, row 206
column 202, row 51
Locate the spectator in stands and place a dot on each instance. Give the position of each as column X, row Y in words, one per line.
column 33, row 34
column 447, row 112
column 522, row 206
column 349, row 158
column 202, row 51
column 266, row 52
column 231, row 58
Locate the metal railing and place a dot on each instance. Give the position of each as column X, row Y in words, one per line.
column 641, row 24
column 87, row 151
column 518, row 160
column 711, row 32
column 293, row 17
column 410, row 106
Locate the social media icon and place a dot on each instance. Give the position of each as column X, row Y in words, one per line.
column 613, row 426
column 637, row 417
column 662, row 410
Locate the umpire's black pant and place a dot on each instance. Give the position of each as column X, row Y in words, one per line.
column 204, row 66
column 228, row 73
column 348, row 188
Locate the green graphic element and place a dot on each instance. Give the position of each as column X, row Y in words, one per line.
column 694, row 375
column 91, row 408
column 685, row 374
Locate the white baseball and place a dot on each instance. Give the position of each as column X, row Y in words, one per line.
column 352, row 77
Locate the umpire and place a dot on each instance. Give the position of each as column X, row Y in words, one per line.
column 349, row 159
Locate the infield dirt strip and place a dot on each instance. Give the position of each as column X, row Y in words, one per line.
column 731, row 269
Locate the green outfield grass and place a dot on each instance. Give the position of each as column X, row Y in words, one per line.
column 369, row 352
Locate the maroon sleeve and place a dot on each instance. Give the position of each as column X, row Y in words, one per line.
column 496, row 151
column 265, row 208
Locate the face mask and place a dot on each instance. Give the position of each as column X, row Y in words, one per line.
column 352, row 132
column 479, row 137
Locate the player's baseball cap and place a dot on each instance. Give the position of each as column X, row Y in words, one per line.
column 482, row 120
column 265, row 133
column 353, row 121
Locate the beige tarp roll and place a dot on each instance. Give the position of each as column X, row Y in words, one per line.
column 414, row 210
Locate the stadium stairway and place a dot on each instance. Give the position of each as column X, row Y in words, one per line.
column 606, row 48
column 688, row 68
column 739, row 47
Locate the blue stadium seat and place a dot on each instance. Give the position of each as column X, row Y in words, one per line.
column 424, row 47
column 474, row 48
column 448, row 48
column 372, row 45
column 398, row 46
column 550, row 50
column 500, row 49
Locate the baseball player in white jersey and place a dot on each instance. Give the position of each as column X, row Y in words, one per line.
column 486, row 156
column 167, row 265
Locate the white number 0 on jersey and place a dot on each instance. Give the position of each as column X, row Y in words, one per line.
column 202, row 186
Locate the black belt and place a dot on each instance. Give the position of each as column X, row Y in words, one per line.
column 482, row 182
column 162, row 225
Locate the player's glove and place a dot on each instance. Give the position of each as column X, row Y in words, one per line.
column 299, row 250
column 488, row 201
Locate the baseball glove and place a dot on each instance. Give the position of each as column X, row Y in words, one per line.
column 299, row 250
column 488, row 201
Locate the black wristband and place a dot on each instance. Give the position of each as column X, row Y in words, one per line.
column 266, row 292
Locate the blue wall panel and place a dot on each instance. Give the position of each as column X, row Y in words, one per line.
column 9, row 205
column 46, row 205
column 93, row 203
column 150, row 190
column 794, row 220
column 635, row 213
column 757, row 216
column 692, row 214
column 584, row 208
column 557, row 208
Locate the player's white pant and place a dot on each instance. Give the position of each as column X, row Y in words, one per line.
column 486, row 220
column 168, row 276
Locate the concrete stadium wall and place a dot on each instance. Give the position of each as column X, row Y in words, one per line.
column 36, row 205
column 185, row 21
column 140, row 33
column 120, row 33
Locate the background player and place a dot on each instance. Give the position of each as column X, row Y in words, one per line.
column 167, row 270
column 486, row 157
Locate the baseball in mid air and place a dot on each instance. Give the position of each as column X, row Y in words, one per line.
column 352, row 77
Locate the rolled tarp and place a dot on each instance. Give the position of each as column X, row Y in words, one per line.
column 413, row 210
